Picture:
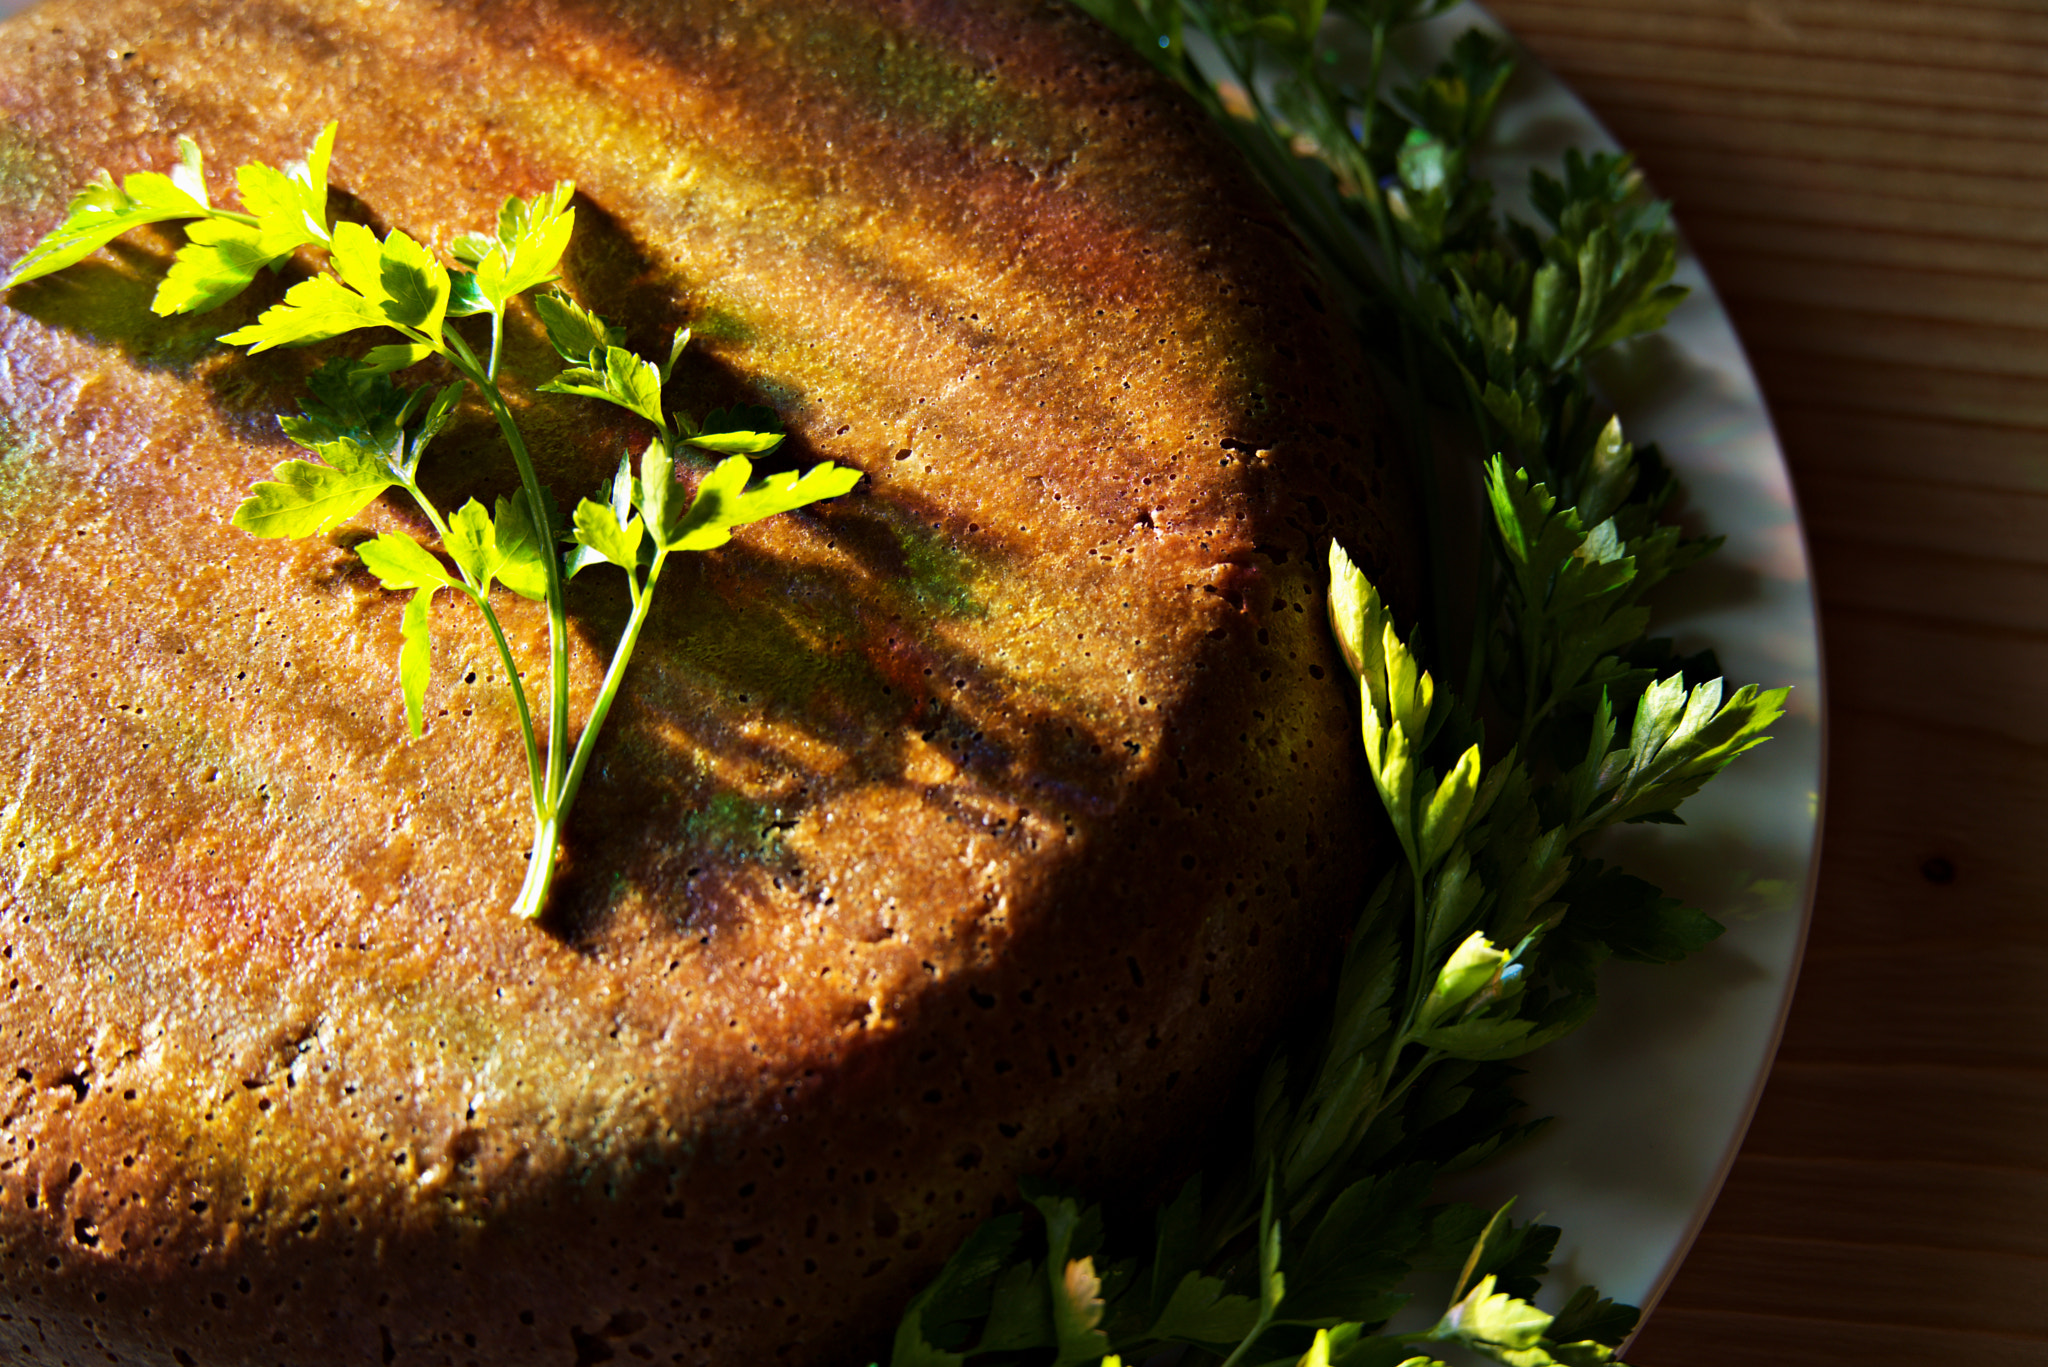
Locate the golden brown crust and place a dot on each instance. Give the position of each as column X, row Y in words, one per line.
column 975, row 823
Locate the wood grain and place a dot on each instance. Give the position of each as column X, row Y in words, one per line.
column 1867, row 184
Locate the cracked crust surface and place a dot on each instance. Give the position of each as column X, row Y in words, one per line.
column 979, row 822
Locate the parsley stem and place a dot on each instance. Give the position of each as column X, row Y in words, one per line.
column 544, row 530
column 547, row 786
column 540, row 869
column 586, row 744
column 1259, row 1327
column 1317, row 1188
column 479, row 594
column 497, row 343
column 1418, row 954
column 533, row 768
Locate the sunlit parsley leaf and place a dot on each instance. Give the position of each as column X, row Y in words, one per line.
column 358, row 258
column 415, row 285
column 724, row 500
column 290, row 204
column 311, row 311
column 217, row 262
column 607, row 532
column 1487, row 1318
column 1472, row 966
column 620, row 502
column 617, row 377
column 574, row 331
column 675, row 351
column 304, row 499
column 747, row 430
column 522, row 564
column 400, row 563
column 1682, row 738
column 532, row 235
column 102, row 211
column 1510, row 1330
column 651, row 494
column 503, row 549
column 633, row 383
column 222, row 255
column 392, row 283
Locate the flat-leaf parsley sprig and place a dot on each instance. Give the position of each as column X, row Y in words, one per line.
column 368, row 433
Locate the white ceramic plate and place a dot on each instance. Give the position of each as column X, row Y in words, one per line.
column 1652, row 1098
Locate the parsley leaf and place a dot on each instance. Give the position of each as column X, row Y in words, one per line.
column 414, row 284
column 304, row 499
column 532, row 235
column 394, row 283
column 521, row 555
column 222, row 255
column 1077, row 1306
column 618, row 377
column 290, row 205
column 573, row 331
column 399, row 562
column 359, row 424
column 1200, row 1310
column 610, row 531
column 501, row 550
column 939, row 1322
column 725, row 500
column 102, row 211
column 748, row 430
column 218, row 261
column 311, row 311
column 1484, row 941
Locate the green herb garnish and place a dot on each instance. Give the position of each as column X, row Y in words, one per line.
column 1483, row 943
column 368, row 433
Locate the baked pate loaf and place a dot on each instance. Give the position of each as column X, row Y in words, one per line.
column 983, row 821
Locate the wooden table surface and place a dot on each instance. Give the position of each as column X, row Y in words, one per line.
column 1866, row 182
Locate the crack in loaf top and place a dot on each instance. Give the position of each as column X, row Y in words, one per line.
column 965, row 824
